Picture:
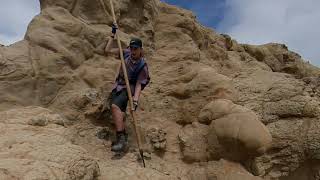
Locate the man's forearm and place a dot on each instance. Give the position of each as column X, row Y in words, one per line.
column 137, row 92
column 109, row 45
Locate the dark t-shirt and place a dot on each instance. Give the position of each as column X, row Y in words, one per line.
column 130, row 64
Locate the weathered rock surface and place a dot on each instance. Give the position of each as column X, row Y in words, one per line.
column 279, row 59
column 221, row 170
column 293, row 147
column 32, row 152
column 194, row 143
column 213, row 97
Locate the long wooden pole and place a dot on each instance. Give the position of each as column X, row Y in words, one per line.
column 124, row 69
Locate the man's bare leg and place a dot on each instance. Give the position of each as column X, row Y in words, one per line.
column 121, row 143
column 117, row 116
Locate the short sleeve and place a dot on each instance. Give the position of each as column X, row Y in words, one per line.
column 126, row 53
column 143, row 75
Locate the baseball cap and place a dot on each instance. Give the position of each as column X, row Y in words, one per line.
column 136, row 43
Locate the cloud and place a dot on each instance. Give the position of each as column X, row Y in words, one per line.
column 293, row 22
column 15, row 15
column 6, row 39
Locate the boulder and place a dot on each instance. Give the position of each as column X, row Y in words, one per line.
column 235, row 132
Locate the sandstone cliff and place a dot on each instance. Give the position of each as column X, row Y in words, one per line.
column 215, row 109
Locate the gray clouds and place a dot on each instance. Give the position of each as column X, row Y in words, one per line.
column 15, row 16
column 293, row 22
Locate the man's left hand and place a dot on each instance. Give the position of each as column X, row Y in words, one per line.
column 135, row 105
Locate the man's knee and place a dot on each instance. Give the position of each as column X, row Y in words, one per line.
column 115, row 107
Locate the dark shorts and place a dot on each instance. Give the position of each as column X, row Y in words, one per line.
column 120, row 99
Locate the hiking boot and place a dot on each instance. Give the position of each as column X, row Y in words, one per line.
column 121, row 143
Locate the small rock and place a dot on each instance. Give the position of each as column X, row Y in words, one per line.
column 147, row 155
column 157, row 138
column 38, row 121
column 103, row 133
column 45, row 119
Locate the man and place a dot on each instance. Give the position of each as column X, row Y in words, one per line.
column 138, row 76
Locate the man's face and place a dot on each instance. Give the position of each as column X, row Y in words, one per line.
column 135, row 52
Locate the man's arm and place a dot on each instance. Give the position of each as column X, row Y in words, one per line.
column 142, row 80
column 137, row 92
column 109, row 50
column 136, row 95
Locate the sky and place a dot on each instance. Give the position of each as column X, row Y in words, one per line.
column 293, row 22
column 15, row 15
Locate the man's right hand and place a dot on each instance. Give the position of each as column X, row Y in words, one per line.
column 114, row 28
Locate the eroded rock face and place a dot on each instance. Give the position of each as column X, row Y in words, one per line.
column 33, row 146
column 279, row 59
column 221, row 170
column 196, row 85
column 295, row 143
column 213, row 97
column 276, row 96
column 194, row 143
